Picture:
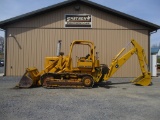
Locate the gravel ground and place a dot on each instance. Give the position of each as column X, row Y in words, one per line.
column 119, row 101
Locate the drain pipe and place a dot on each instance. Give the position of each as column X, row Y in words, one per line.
column 153, row 32
column 59, row 47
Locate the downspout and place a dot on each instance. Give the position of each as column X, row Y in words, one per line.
column 58, row 47
column 5, row 53
column 153, row 32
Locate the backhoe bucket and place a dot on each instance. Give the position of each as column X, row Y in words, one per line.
column 30, row 78
column 143, row 80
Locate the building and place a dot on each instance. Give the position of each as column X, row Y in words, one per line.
column 33, row 36
column 154, row 65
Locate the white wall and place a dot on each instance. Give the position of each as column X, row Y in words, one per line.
column 154, row 65
column 158, row 53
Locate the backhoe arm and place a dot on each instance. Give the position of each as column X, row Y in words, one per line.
column 145, row 78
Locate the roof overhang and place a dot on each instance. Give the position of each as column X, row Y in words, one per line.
column 149, row 25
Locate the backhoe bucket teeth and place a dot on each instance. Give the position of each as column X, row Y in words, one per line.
column 143, row 80
column 30, row 78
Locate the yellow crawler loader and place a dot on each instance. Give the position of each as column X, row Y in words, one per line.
column 59, row 72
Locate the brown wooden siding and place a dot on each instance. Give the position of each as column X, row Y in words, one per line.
column 38, row 38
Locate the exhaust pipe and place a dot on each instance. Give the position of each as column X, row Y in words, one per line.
column 58, row 47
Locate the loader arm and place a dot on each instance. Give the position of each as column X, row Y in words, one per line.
column 145, row 78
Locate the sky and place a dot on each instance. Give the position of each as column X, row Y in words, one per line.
column 147, row 10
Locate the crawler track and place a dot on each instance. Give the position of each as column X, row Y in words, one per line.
column 67, row 80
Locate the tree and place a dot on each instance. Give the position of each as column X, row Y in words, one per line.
column 156, row 46
column 1, row 44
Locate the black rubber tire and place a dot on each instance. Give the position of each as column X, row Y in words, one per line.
column 87, row 81
column 105, row 69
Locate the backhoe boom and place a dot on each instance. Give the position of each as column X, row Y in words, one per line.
column 145, row 78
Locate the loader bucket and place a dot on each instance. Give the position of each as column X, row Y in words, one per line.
column 143, row 80
column 30, row 78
